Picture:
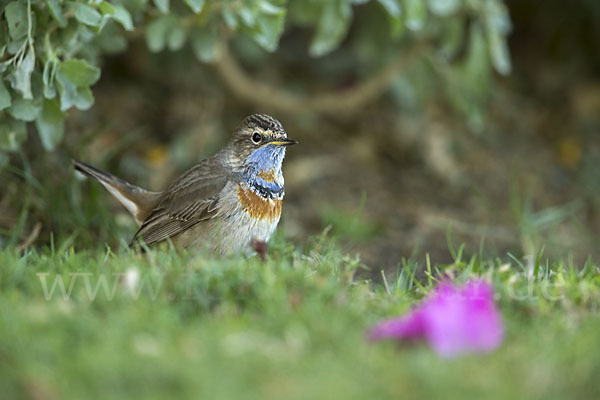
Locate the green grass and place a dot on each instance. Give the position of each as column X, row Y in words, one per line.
column 292, row 327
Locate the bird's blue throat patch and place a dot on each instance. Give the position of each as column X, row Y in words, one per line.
column 263, row 173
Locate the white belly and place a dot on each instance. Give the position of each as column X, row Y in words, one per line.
column 234, row 227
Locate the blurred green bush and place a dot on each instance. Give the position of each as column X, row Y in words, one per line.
column 50, row 50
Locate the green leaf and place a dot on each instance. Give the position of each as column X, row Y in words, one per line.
column 176, row 38
column 162, row 5
column 497, row 17
column 85, row 98
column 16, row 18
column 477, row 65
column 73, row 79
column 156, row 32
column 195, row 5
column 86, row 14
column 106, row 8
column 397, row 27
column 269, row 8
column 14, row 46
column 110, row 40
column 416, row 14
column 12, row 134
column 72, row 96
column 305, row 12
column 79, row 72
column 20, row 80
column 332, row 27
column 266, row 23
column 269, row 30
column 229, row 18
column 5, row 100
column 393, row 7
column 469, row 84
column 56, row 12
column 123, row 17
column 499, row 52
column 444, row 8
column 453, row 36
column 48, row 78
column 69, row 36
column 24, row 109
column 247, row 15
column 204, row 44
column 498, row 25
column 50, row 124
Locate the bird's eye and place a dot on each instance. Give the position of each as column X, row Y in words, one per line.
column 256, row 137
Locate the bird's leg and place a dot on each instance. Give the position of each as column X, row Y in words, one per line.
column 260, row 247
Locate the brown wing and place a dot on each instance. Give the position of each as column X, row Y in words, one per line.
column 191, row 199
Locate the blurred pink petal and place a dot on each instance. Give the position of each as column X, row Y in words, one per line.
column 410, row 326
column 453, row 320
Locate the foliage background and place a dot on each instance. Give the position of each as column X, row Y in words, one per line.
column 417, row 127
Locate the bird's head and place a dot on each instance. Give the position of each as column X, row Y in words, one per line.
column 259, row 144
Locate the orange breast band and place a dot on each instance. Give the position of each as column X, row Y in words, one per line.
column 268, row 176
column 257, row 206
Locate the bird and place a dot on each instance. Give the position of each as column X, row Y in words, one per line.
column 226, row 203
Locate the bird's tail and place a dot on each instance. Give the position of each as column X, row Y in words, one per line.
column 139, row 202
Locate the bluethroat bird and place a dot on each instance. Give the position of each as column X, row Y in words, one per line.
column 227, row 202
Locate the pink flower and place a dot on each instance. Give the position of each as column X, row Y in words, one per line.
column 453, row 320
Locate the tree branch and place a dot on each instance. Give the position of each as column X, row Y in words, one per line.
column 335, row 102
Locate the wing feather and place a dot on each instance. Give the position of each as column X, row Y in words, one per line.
column 190, row 200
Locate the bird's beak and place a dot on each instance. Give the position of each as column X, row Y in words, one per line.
column 284, row 142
